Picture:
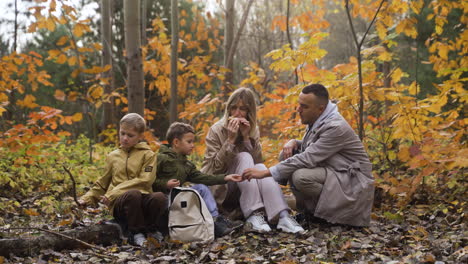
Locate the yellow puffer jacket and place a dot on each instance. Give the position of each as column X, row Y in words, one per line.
column 132, row 170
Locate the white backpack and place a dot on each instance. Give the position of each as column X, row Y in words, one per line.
column 189, row 218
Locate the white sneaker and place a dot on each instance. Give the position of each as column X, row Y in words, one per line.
column 258, row 222
column 289, row 225
column 139, row 239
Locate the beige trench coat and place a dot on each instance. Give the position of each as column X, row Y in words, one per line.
column 348, row 193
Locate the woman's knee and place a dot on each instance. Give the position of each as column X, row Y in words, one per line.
column 244, row 157
column 260, row 166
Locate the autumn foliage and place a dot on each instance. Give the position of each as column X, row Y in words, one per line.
column 414, row 141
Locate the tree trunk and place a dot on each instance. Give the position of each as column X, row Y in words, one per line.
column 174, row 58
column 143, row 22
column 106, row 31
column 15, row 34
column 135, row 86
column 232, row 50
column 98, row 234
column 230, row 16
column 359, row 61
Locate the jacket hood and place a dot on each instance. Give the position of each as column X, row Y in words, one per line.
column 167, row 150
column 140, row 145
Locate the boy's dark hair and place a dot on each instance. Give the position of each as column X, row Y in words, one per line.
column 178, row 130
column 318, row 90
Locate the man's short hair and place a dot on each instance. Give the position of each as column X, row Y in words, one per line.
column 318, row 90
column 178, row 130
column 135, row 121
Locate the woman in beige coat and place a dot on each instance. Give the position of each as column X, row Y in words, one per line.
column 233, row 145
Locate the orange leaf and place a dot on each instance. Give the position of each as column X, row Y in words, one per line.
column 77, row 117
column 65, row 222
column 31, row 212
column 59, row 95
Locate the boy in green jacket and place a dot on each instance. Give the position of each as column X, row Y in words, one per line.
column 125, row 186
column 174, row 169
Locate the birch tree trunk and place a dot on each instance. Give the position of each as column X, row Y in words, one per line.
column 135, row 87
column 174, row 57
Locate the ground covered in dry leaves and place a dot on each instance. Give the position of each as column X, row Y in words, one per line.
column 420, row 233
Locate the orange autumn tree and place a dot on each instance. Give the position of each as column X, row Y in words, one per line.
column 413, row 142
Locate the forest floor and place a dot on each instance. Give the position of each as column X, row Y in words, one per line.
column 419, row 233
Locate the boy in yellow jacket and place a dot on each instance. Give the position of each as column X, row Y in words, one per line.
column 125, row 186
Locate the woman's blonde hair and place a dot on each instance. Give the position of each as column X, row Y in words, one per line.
column 248, row 98
column 134, row 120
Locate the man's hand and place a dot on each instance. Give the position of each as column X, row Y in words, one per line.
column 252, row 173
column 172, row 183
column 289, row 148
column 234, row 178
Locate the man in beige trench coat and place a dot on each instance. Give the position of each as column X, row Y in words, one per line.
column 328, row 170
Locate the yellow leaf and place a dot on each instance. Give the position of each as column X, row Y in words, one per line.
column 2, row 110
column 77, row 117
column 404, row 154
column 50, row 24
column 53, row 53
column 79, row 30
column 96, row 91
column 28, row 101
column 3, row 97
column 397, row 74
column 65, row 222
column 59, row 95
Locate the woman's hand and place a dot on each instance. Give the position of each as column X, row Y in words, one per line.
column 289, row 148
column 244, row 127
column 233, row 129
column 234, row 178
column 172, row 183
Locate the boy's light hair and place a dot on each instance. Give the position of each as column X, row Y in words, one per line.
column 178, row 130
column 134, row 120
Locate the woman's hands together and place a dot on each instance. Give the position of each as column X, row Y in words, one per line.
column 236, row 125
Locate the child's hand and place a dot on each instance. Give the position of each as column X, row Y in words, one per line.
column 234, row 178
column 82, row 202
column 172, row 183
column 104, row 200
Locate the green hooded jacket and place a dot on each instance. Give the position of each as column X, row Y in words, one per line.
column 172, row 165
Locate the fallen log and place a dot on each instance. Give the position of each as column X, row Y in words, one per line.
column 81, row 237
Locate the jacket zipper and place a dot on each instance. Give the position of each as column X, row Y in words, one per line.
column 126, row 164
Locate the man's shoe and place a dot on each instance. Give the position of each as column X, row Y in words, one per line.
column 221, row 228
column 258, row 222
column 289, row 225
column 138, row 239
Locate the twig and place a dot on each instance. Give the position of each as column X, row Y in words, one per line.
column 73, row 185
column 69, row 237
